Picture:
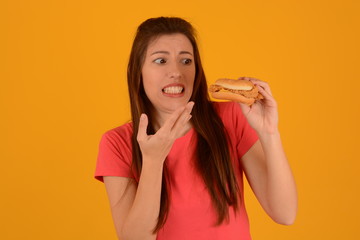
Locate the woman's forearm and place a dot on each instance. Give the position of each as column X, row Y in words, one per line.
column 144, row 212
column 281, row 187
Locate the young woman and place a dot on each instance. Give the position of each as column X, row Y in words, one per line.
column 176, row 171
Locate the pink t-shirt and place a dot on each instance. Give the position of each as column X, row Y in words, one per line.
column 191, row 214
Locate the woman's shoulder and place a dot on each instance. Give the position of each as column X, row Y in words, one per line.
column 118, row 134
column 230, row 114
column 226, row 108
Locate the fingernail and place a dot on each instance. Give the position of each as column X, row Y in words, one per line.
column 191, row 106
column 142, row 117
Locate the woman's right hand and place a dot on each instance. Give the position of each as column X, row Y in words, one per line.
column 156, row 147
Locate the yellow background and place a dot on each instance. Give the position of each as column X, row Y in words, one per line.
column 63, row 84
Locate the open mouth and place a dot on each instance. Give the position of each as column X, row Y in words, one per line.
column 173, row 90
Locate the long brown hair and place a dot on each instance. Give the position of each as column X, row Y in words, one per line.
column 213, row 155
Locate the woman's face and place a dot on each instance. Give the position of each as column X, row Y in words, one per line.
column 168, row 72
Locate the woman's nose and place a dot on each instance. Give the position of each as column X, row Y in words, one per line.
column 174, row 71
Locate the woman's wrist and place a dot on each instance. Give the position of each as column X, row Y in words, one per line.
column 153, row 163
column 268, row 133
column 269, row 136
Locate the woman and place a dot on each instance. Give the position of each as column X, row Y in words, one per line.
column 175, row 171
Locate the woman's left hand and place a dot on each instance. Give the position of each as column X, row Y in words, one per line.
column 263, row 114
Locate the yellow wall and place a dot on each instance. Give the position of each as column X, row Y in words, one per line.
column 63, row 84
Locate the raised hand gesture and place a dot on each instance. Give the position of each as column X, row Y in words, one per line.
column 156, row 147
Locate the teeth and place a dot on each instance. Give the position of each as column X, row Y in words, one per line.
column 173, row 90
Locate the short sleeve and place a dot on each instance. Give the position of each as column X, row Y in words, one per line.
column 114, row 155
column 246, row 136
column 242, row 135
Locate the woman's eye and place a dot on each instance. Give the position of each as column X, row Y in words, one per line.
column 160, row 61
column 187, row 61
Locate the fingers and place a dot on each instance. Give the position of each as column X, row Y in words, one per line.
column 172, row 125
column 244, row 107
column 169, row 123
column 184, row 117
column 258, row 82
column 270, row 101
column 142, row 134
column 264, row 89
column 178, row 119
column 264, row 92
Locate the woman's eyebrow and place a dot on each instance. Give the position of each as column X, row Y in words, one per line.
column 156, row 52
column 166, row 52
column 186, row 52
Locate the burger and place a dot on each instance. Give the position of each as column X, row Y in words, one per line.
column 242, row 91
